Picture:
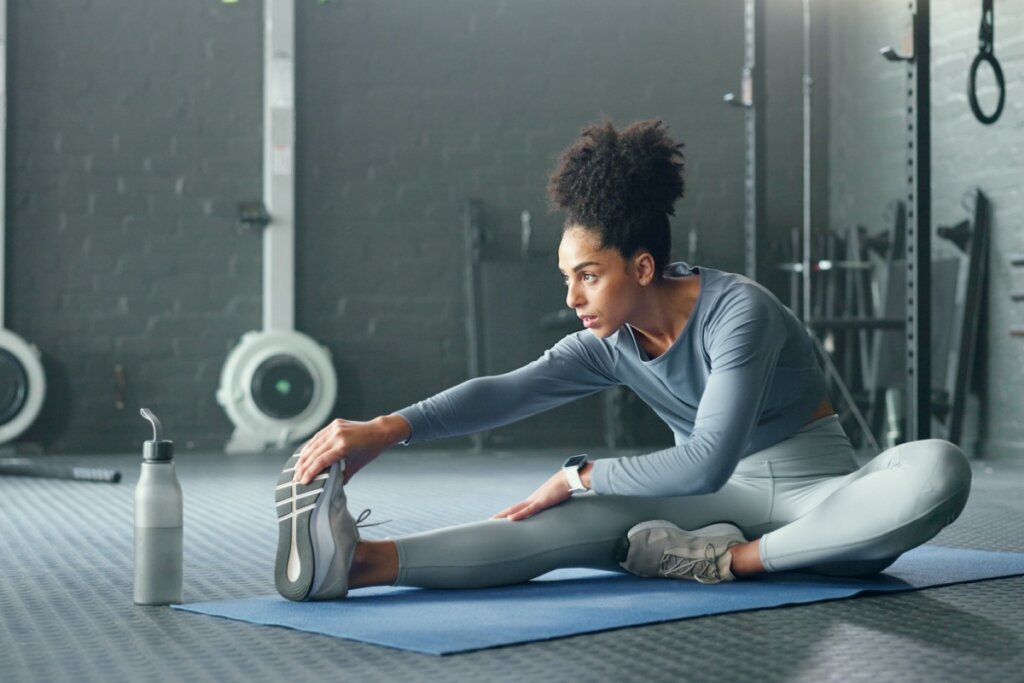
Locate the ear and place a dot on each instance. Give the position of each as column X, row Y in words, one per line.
column 643, row 267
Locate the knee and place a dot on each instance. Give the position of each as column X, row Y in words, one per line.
column 951, row 463
column 950, row 473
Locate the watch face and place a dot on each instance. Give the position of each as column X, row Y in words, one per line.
column 576, row 461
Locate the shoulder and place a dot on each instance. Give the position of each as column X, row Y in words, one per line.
column 586, row 348
column 731, row 290
column 731, row 303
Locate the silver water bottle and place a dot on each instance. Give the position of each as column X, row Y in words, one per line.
column 158, row 523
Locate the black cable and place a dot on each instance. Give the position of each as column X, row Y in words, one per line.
column 24, row 467
column 986, row 53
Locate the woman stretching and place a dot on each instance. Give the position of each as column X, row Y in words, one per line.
column 762, row 477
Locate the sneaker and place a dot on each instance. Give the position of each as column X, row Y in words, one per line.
column 316, row 536
column 661, row 549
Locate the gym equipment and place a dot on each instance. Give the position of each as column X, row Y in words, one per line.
column 857, row 313
column 22, row 380
column 473, row 239
column 752, row 100
column 972, row 241
column 24, row 467
column 277, row 385
column 986, row 54
column 1016, row 261
column 570, row 602
column 919, row 215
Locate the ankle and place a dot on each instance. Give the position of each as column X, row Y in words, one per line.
column 362, row 564
column 374, row 563
column 746, row 558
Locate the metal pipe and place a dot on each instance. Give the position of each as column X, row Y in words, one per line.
column 279, row 164
column 472, row 234
column 756, row 120
column 3, row 151
column 752, row 99
column 918, row 262
column 807, row 83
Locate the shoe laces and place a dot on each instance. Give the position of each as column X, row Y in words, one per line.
column 703, row 569
column 361, row 522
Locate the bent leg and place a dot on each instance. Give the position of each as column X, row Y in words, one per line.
column 898, row 501
column 586, row 531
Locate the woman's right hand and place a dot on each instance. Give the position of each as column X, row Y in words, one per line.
column 357, row 443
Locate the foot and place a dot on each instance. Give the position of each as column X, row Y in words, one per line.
column 316, row 536
column 661, row 549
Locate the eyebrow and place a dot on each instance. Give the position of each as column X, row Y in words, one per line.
column 580, row 266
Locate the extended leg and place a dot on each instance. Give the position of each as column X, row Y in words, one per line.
column 583, row 532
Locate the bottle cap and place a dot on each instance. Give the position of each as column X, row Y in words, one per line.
column 159, row 449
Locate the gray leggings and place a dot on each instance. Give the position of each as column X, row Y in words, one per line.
column 805, row 498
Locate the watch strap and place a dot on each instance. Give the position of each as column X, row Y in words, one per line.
column 572, row 476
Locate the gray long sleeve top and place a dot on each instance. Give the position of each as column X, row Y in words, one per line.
column 740, row 377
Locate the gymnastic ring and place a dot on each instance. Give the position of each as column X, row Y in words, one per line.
column 985, row 56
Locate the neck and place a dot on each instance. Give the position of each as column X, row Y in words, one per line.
column 664, row 311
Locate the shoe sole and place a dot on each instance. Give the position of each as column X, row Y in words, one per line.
column 298, row 513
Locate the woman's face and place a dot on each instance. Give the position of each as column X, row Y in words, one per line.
column 601, row 286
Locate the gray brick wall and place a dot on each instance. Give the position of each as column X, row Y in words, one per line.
column 867, row 160
column 418, row 107
column 135, row 128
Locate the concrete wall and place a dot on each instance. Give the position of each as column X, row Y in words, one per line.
column 135, row 128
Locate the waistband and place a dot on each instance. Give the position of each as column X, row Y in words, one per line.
column 820, row 448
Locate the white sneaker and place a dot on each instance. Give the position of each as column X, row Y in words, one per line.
column 661, row 549
column 317, row 536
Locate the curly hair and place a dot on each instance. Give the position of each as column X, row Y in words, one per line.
column 623, row 185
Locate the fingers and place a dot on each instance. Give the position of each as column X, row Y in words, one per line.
column 512, row 509
column 319, row 452
column 308, row 454
column 518, row 511
column 524, row 512
column 314, row 466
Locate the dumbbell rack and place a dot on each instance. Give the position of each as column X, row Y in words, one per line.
column 1017, row 261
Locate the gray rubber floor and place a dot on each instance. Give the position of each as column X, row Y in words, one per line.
column 66, row 609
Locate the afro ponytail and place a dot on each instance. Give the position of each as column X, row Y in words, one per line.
column 622, row 185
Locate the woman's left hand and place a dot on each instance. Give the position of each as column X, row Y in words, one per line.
column 554, row 491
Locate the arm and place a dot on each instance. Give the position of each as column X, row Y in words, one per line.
column 575, row 367
column 554, row 491
column 358, row 443
column 727, row 413
column 568, row 371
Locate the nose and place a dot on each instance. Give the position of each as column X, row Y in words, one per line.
column 573, row 295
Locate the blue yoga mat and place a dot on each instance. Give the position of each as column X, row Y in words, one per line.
column 575, row 601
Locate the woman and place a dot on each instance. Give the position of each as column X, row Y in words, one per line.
column 762, row 477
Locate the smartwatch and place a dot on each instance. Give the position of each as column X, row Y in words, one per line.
column 571, row 470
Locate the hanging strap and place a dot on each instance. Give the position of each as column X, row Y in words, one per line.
column 986, row 53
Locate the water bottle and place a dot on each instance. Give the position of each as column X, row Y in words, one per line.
column 158, row 523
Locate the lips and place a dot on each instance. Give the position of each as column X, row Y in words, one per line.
column 588, row 320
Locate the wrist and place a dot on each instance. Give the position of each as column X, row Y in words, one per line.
column 585, row 475
column 393, row 428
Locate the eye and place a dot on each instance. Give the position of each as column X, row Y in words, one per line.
column 588, row 277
